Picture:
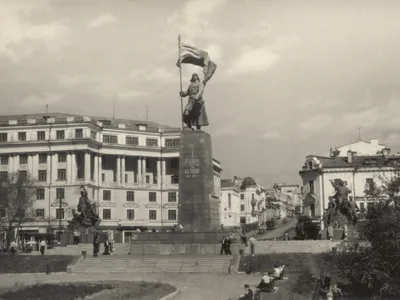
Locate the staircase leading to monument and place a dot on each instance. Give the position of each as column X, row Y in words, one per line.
column 154, row 264
column 305, row 246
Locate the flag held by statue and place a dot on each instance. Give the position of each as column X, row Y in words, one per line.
column 191, row 55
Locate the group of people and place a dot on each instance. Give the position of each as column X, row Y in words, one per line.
column 108, row 246
column 27, row 247
column 341, row 202
column 226, row 246
column 267, row 283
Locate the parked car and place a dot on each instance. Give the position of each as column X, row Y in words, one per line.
column 270, row 224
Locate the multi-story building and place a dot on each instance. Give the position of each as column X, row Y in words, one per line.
column 359, row 147
column 252, row 200
column 230, row 203
column 359, row 171
column 130, row 168
column 293, row 192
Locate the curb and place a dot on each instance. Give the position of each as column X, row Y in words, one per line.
column 170, row 296
column 30, row 274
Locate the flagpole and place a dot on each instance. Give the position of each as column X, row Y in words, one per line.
column 180, row 77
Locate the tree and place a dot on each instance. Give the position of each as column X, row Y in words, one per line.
column 375, row 264
column 17, row 196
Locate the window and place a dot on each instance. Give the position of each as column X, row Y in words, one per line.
column 152, row 214
column 174, row 179
column 130, row 214
column 41, row 135
column 174, row 163
column 172, row 214
column 42, row 175
column 241, row 196
column 310, row 165
column 229, row 200
column 107, row 195
column 3, row 137
column 151, row 142
column 78, row 133
column 362, row 206
column 311, row 186
column 171, row 196
column 2, row 213
column 242, row 207
column 130, row 196
column 152, row 197
column 93, row 135
column 60, row 213
column 110, row 139
column 60, row 193
column 171, row 143
column 39, row 194
column 61, row 174
column 126, row 177
column 370, row 205
column 242, row 220
column 147, row 179
column 42, row 158
column 106, row 214
column 23, row 175
column 103, row 177
column 336, row 181
column 132, row 140
column 39, row 213
column 4, row 160
column 23, row 159
column 252, row 197
column 21, row 136
column 3, row 175
column 312, row 209
column 60, row 134
column 62, row 157
column 369, row 184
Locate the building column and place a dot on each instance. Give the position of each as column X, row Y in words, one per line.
column 87, row 167
column 100, row 166
column 96, row 169
column 11, row 163
column 159, row 172
column 69, row 168
column 35, row 163
column 30, row 164
column 54, row 165
column 144, row 171
column 119, row 169
column 16, row 163
column 73, row 167
column 139, row 171
column 163, row 171
column 49, row 169
column 123, row 162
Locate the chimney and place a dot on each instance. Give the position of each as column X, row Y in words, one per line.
column 385, row 151
column 349, row 156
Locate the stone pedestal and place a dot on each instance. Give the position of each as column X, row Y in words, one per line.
column 198, row 209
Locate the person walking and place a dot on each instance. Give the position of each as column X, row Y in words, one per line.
column 227, row 246
column 42, row 246
column 222, row 245
column 96, row 245
column 252, row 241
column 76, row 237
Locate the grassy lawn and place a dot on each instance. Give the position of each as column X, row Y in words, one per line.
column 300, row 268
column 98, row 291
column 34, row 264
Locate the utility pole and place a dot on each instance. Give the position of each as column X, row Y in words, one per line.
column 359, row 133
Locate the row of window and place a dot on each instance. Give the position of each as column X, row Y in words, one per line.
column 369, row 183
column 130, row 214
column 130, row 195
column 107, row 138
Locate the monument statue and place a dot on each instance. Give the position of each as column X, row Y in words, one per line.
column 195, row 111
column 341, row 204
column 85, row 215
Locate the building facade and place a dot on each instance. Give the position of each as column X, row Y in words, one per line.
column 129, row 168
column 230, row 203
column 361, row 172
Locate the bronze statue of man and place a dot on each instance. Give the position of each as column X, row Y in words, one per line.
column 195, row 111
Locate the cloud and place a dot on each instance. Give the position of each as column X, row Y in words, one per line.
column 102, row 20
column 16, row 29
column 271, row 135
column 68, row 81
column 254, row 60
column 130, row 95
column 316, row 123
column 43, row 99
column 194, row 19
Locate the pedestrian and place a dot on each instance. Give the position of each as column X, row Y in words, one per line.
column 13, row 248
column 330, row 232
column 106, row 247
column 228, row 246
column 222, row 245
column 76, row 237
column 42, row 246
column 96, row 245
column 345, row 232
column 252, row 241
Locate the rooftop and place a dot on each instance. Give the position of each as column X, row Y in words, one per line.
column 359, row 161
column 61, row 118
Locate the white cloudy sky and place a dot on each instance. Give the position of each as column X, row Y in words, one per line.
column 294, row 77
